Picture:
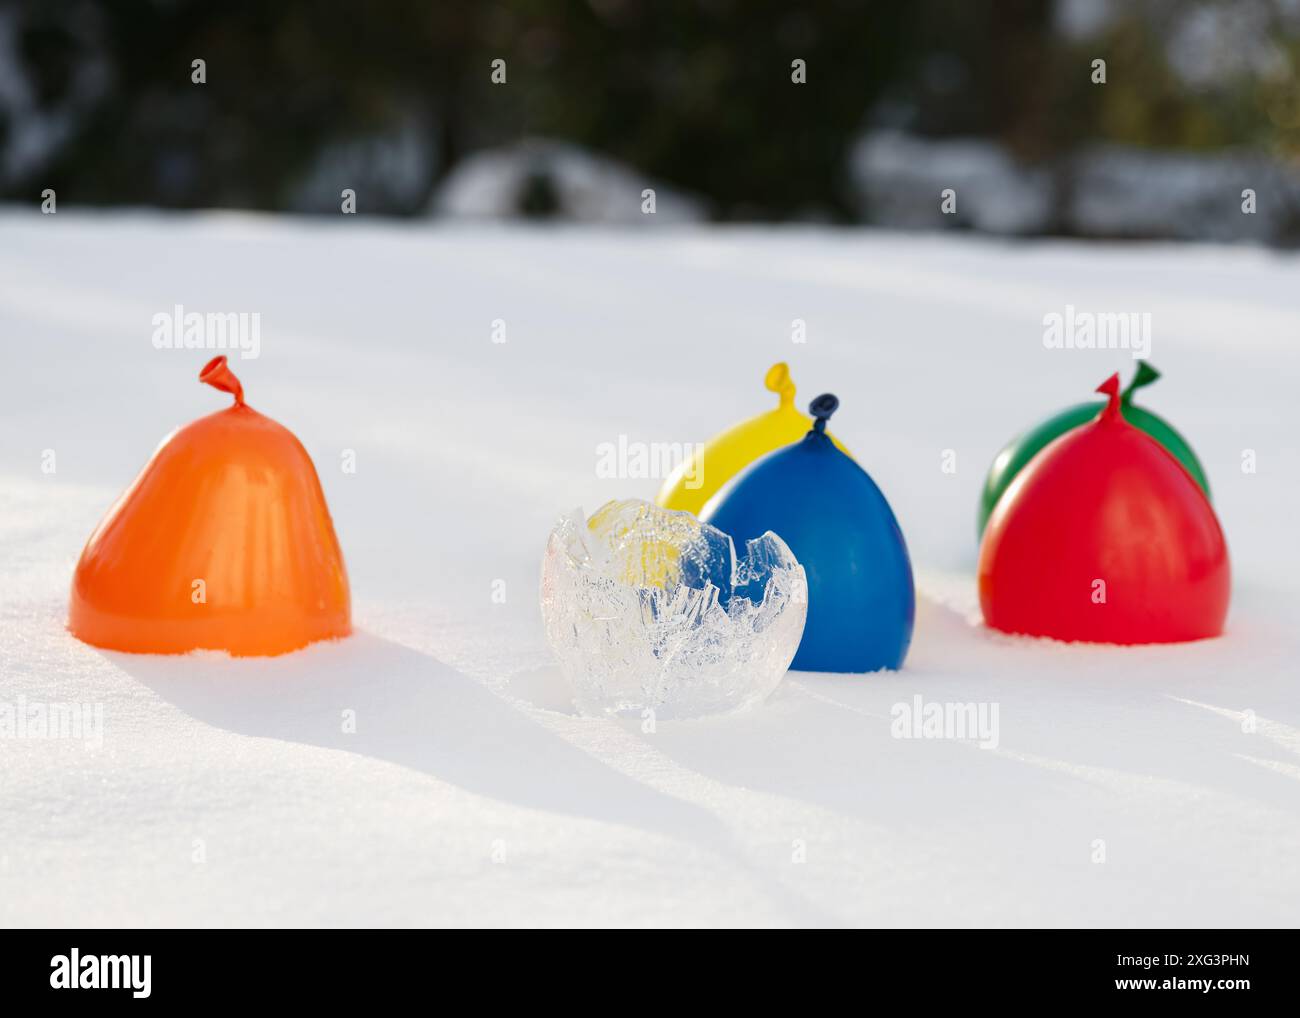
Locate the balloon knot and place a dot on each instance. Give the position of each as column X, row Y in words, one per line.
column 1145, row 375
column 217, row 374
column 821, row 408
column 778, row 381
column 1110, row 388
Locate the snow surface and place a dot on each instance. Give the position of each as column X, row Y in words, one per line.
column 471, row 791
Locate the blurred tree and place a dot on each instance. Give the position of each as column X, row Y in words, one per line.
column 700, row 94
column 304, row 97
column 284, row 80
column 695, row 93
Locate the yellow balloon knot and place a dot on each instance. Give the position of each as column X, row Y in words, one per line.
column 778, row 380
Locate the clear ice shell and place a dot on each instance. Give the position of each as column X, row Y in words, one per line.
column 649, row 608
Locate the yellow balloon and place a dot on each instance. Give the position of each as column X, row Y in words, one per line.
column 646, row 562
column 698, row 477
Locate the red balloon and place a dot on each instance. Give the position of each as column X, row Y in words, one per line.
column 1105, row 537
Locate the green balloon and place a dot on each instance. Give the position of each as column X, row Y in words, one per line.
column 1012, row 459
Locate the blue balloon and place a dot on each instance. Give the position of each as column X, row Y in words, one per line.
column 861, row 599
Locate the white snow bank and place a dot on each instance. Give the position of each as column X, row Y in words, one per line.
column 1102, row 190
column 228, row 792
column 585, row 186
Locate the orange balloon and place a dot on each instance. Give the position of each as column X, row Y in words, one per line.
column 223, row 542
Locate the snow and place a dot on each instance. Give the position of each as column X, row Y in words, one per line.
column 1113, row 190
column 901, row 181
column 471, row 792
column 586, row 186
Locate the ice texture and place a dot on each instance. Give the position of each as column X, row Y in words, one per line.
column 647, row 608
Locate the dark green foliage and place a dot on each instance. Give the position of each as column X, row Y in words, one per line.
column 694, row 93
